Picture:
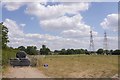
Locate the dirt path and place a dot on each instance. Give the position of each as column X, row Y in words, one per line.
column 24, row 72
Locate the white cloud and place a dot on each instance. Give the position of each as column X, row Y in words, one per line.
column 40, row 9
column 61, row 23
column 14, row 28
column 110, row 22
column 55, row 11
column 11, row 6
column 77, row 33
column 69, row 26
column 53, row 17
column 112, row 42
column 17, row 37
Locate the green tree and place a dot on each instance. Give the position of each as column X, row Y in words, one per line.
column 22, row 48
column 31, row 50
column 116, row 52
column 107, row 52
column 87, row 52
column 4, row 35
column 63, row 52
column 100, row 51
column 44, row 50
column 69, row 51
column 82, row 51
column 57, row 51
column 111, row 51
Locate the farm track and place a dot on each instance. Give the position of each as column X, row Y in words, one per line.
column 24, row 72
column 31, row 72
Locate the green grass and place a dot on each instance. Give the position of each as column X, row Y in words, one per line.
column 7, row 54
column 0, row 61
column 85, row 66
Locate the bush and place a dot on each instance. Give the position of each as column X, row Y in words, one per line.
column 116, row 52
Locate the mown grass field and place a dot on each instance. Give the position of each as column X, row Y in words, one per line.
column 79, row 66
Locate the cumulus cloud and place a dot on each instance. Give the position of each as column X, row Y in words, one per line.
column 11, row 6
column 55, row 11
column 69, row 26
column 14, row 5
column 54, row 18
column 110, row 22
column 17, row 37
column 112, row 42
column 77, row 33
column 14, row 28
column 63, row 23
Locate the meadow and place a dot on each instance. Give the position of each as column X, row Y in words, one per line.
column 70, row 66
column 78, row 66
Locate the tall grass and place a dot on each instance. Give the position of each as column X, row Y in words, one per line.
column 36, row 61
column 80, row 66
column 6, row 55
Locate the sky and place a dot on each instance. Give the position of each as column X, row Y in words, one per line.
column 61, row 25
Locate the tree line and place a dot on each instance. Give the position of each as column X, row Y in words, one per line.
column 32, row 50
column 85, row 51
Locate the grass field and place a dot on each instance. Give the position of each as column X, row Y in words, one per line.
column 79, row 66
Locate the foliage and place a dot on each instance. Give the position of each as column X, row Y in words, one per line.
column 31, row 50
column 86, row 52
column 116, row 52
column 44, row 50
column 107, row 52
column 4, row 35
column 70, row 51
column 22, row 48
column 100, row 51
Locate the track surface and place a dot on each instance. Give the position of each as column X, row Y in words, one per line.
column 24, row 72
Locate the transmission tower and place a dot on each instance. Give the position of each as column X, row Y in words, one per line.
column 105, row 44
column 91, row 42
